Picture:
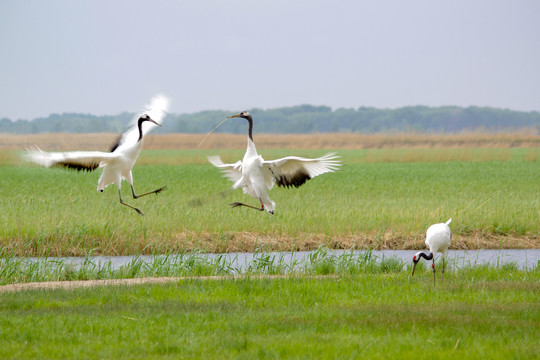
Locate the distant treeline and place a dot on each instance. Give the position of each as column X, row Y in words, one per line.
column 300, row 120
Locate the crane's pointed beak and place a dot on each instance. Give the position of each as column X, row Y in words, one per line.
column 155, row 122
column 233, row 116
column 414, row 267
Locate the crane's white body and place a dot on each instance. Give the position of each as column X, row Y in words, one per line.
column 116, row 164
column 256, row 176
column 438, row 237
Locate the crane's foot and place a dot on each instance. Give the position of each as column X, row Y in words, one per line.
column 160, row 190
column 130, row 206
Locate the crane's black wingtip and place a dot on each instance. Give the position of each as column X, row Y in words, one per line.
column 78, row 167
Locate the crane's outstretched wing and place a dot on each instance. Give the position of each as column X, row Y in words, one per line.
column 232, row 171
column 295, row 171
column 78, row 160
column 157, row 109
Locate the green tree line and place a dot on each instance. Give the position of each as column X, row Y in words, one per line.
column 299, row 119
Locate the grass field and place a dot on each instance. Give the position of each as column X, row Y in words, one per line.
column 381, row 198
column 479, row 313
column 389, row 190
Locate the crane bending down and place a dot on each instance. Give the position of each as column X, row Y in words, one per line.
column 255, row 175
column 117, row 163
column 438, row 237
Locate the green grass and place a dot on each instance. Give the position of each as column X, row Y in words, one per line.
column 59, row 212
column 366, row 309
column 479, row 313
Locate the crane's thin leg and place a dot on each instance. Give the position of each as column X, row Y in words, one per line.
column 236, row 204
column 433, row 267
column 443, row 265
column 135, row 196
column 123, row 203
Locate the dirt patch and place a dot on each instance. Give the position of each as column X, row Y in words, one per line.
column 53, row 285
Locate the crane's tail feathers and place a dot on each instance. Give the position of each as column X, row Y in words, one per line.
column 448, row 222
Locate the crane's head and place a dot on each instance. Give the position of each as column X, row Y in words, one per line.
column 147, row 117
column 244, row 114
column 417, row 256
column 415, row 260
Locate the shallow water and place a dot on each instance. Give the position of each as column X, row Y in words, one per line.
column 523, row 258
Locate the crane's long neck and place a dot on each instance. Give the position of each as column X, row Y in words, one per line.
column 251, row 149
column 250, row 130
column 427, row 257
column 139, row 125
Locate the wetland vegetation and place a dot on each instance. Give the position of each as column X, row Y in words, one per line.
column 381, row 198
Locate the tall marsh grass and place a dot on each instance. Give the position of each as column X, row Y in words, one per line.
column 64, row 141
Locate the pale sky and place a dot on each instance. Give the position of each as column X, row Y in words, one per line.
column 109, row 56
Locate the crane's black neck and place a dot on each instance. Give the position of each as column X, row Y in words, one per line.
column 119, row 140
column 427, row 257
column 250, row 130
column 139, row 125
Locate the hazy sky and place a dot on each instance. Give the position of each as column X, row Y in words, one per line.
column 106, row 57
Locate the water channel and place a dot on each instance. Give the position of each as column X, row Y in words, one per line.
column 523, row 258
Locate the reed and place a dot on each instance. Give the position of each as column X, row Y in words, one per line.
column 64, row 141
column 322, row 261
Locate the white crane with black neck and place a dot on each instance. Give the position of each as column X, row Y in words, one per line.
column 256, row 176
column 117, row 163
column 438, row 238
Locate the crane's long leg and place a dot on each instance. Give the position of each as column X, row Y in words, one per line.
column 123, row 203
column 433, row 267
column 135, row 196
column 236, row 204
column 443, row 265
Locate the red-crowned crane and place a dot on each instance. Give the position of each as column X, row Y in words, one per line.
column 117, row 163
column 255, row 175
column 438, row 238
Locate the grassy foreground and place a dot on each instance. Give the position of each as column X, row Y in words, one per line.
column 481, row 313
